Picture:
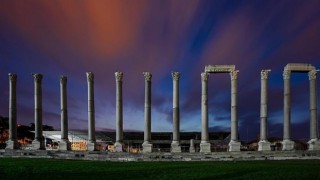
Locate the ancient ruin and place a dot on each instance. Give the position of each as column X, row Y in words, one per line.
column 205, row 146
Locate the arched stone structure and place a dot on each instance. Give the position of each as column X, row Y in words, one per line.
column 234, row 144
column 287, row 143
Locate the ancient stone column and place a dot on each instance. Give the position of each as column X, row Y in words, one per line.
column 38, row 142
column 147, row 146
column 175, row 145
column 205, row 145
column 64, row 143
column 287, row 144
column 119, row 112
column 12, row 141
column 264, row 144
column 91, row 144
column 234, row 144
column 192, row 148
column 314, row 143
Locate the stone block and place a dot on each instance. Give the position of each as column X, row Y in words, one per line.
column 264, row 146
column 314, row 145
column 37, row 145
column 147, row 148
column 205, row 147
column 175, row 147
column 12, row 144
column 118, row 147
column 91, row 146
column 65, row 145
column 287, row 145
column 234, row 146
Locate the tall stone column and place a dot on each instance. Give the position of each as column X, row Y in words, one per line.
column 38, row 142
column 314, row 143
column 91, row 144
column 12, row 141
column 264, row 144
column 64, row 143
column 175, row 145
column 205, row 145
column 287, row 144
column 234, row 144
column 147, row 146
column 119, row 112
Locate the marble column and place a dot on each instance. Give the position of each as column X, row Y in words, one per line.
column 147, row 146
column 175, row 145
column 314, row 143
column 264, row 144
column 205, row 145
column 64, row 143
column 12, row 141
column 287, row 143
column 234, row 144
column 119, row 113
column 38, row 142
column 192, row 147
column 91, row 144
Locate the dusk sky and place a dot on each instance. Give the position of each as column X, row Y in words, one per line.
column 66, row 37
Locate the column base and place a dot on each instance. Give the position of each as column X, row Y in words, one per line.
column 287, row 145
column 205, row 147
column 175, row 147
column 147, row 147
column 118, row 147
column 91, row 146
column 234, row 146
column 192, row 149
column 264, row 145
column 37, row 145
column 314, row 144
column 65, row 145
column 12, row 144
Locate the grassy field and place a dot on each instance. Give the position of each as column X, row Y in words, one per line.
column 11, row 168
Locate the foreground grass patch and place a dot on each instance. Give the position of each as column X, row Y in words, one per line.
column 21, row 168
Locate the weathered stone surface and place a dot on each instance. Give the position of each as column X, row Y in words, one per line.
column 299, row 67
column 264, row 145
column 234, row 146
column 118, row 147
column 219, row 68
column 147, row 147
column 205, row 147
column 287, row 145
column 91, row 145
column 192, row 147
column 175, row 147
column 314, row 145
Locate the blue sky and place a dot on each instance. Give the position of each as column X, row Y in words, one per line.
column 72, row 37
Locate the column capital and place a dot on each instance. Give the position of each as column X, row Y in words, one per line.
column 286, row 74
column 119, row 76
column 90, row 76
column 63, row 79
column 204, row 76
column 147, row 76
column 234, row 74
column 12, row 77
column 265, row 73
column 312, row 74
column 175, row 75
column 37, row 77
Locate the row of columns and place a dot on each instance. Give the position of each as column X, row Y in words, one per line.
column 205, row 145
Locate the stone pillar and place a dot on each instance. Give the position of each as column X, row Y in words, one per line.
column 192, row 148
column 12, row 141
column 205, row 145
column 38, row 142
column 287, row 144
column 119, row 112
column 64, row 143
column 314, row 143
column 175, row 145
column 147, row 146
column 91, row 144
column 264, row 144
column 234, row 144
